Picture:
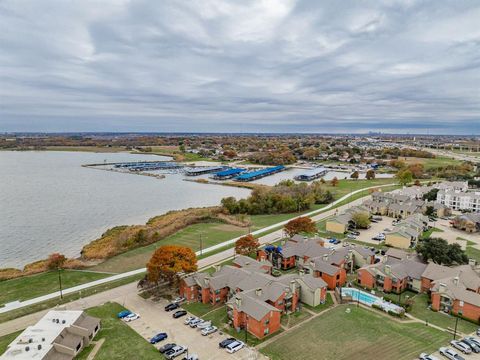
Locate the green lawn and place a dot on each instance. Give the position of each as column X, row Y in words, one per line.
column 420, row 310
column 360, row 334
column 121, row 341
column 28, row 287
column 429, row 232
column 68, row 298
column 472, row 253
column 6, row 340
column 295, row 318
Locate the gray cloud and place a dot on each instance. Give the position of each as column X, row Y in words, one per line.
column 259, row 65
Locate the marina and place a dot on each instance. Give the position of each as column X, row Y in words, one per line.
column 228, row 174
column 258, row 174
column 312, row 174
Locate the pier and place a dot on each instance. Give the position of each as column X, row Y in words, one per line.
column 312, row 174
column 203, row 170
column 258, row 174
column 228, row 174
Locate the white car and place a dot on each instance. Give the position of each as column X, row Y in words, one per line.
column 176, row 351
column 189, row 319
column 474, row 340
column 190, row 357
column 195, row 322
column 131, row 317
column 234, row 347
column 204, row 325
column 209, row 330
column 179, row 299
column 425, row 356
column 450, row 353
column 461, row 346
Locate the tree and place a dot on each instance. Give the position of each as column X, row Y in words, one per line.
column 334, row 181
column 417, row 183
column 300, row 224
column 370, row 175
column 417, row 170
column 355, row 175
column 56, row 261
column 168, row 261
column 431, row 195
column 362, row 219
column 246, row 245
column 404, row 177
column 429, row 211
column 440, row 252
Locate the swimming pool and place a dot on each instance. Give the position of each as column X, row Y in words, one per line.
column 361, row 296
column 369, row 299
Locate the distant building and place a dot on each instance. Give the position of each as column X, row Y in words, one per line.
column 59, row 335
column 460, row 200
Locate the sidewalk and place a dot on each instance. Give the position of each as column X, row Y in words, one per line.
column 316, row 215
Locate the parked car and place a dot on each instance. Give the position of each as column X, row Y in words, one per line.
column 472, row 344
column 195, row 322
column 204, row 324
column 176, row 351
column 167, row 347
column 354, row 232
column 178, row 300
column 450, row 354
column 336, row 242
column 234, row 346
column 189, row 319
column 179, row 313
column 332, row 240
column 351, row 236
column 478, row 332
column 461, row 346
column 131, row 317
column 171, row 306
column 473, row 340
column 425, row 356
column 157, row 338
column 123, row 314
column 209, row 330
column 222, row 344
column 190, row 357
column 379, row 237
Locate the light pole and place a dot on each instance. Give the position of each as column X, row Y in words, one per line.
column 60, row 282
column 201, row 244
column 459, row 313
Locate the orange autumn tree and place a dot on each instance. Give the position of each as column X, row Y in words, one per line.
column 55, row 261
column 246, row 245
column 334, row 182
column 300, row 224
column 168, row 261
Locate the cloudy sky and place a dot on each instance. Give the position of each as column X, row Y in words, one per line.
column 240, row 66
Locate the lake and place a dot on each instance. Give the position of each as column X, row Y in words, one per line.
column 50, row 203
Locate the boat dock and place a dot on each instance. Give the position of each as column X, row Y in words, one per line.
column 258, row 174
column 228, row 174
column 203, row 170
column 312, row 174
column 149, row 165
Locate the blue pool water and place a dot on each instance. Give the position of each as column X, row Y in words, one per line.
column 361, row 296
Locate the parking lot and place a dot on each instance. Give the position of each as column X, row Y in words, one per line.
column 366, row 235
column 155, row 319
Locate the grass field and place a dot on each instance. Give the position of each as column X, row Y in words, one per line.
column 121, row 342
column 420, row 311
column 431, row 163
column 6, row 340
column 361, row 334
column 28, row 287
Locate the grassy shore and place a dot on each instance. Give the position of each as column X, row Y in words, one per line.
column 28, row 287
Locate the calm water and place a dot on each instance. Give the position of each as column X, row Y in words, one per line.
column 48, row 202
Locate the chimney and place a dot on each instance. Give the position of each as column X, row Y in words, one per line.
column 455, row 280
column 207, row 281
column 325, row 257
column 258, row 292
column 388, row 269
column 408, row 256
column 238, row 301
column 385, row 259
column 292, row 286
column 301, row 272
column 442, row 287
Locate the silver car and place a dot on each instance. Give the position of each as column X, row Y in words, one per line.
column 461, row 346
column 450, row 354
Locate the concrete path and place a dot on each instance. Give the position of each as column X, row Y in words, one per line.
column 316, row 215
column 96, row 348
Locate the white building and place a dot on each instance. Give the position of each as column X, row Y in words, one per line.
column 59, row 335
column 459, row 200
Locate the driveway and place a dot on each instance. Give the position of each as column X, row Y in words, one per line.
column 155, row 319
column 451, row 234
